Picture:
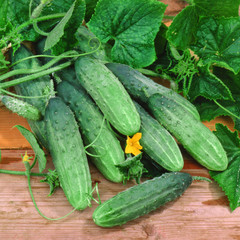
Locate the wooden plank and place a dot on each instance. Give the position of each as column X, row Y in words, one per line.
column 11, row 138
column 202, row 212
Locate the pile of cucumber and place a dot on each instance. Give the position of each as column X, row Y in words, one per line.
column 73, row 125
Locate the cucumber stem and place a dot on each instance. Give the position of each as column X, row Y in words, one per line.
column 22, row 173
column 35, row 70
column 198, row 178
column 34, row 76
column 28, row 174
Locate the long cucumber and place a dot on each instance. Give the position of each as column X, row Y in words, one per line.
column 105, row 147
column 109, row 94
column 38, row 87
column 141, row 87
column 158, row 143
column 68, row 154
column 141, row 199
column 195, row 137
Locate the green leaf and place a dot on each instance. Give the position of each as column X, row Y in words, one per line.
column 229, row 78
column 3, row 14
column 68, row 27
column 3, row 63
column 56, row 34
column 18, row 13
column 133, row 24
column 88, row 42
column 132, row 168
column 218, row 8
column 53, row 180
column 209, row 86
column 208, row 110
column 181, row 32
column 229, row 180
column 161, row 40
column 218, row 42
column 90, row 7
column 42, row 161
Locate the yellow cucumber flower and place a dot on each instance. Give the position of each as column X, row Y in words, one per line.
column 133, row 146
column 26, row 158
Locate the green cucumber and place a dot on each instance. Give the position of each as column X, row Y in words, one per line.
column 106, row 147
column 158, row 143
column 195, row 137
column 68, row 154
column 21, row 108
column 141, row 87
column 37, row 87
column 109, row 94
column 141, row 199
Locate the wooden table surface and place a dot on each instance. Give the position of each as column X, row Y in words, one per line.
column 202, row 212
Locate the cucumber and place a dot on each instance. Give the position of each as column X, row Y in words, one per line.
column 141, row 199
column 37, row 87
column 141, row 87
column 158, row 143
column 109, row 94
column 90, row 120
column 195, row 137
column 68, row 154
column 21, row 108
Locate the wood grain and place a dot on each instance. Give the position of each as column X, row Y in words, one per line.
column 201, row 213
column 10, row 137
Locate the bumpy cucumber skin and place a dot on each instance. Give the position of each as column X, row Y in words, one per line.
column 35, row 87
column 195, row 137
column 90, row 120
column 109, row 94
column 68, row 155
column 141, row 199
column 22, row 108
column 158, row 143
column 141, row 87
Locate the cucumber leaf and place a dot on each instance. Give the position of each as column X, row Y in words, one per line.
column 218, row 42
column 3, row 14
column 209, row 110
column 217, row 8
column 62, row 37
column 90, row 7
column 133, row 24
column 132, row 168
column 18, row 13
column 181, row 32
column 87, row 42
column 52, row 179
column 209, row 86
column 229, row 180
column 42, row 161
column 228, row 78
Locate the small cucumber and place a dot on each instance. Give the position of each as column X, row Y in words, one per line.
column 68, row 154
column 158, row 143
column 109, row 94
column 142, row 87
column 20, row 107
column 90, row 120
column 37, row 87
column 141, row 199
column 195, row 137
